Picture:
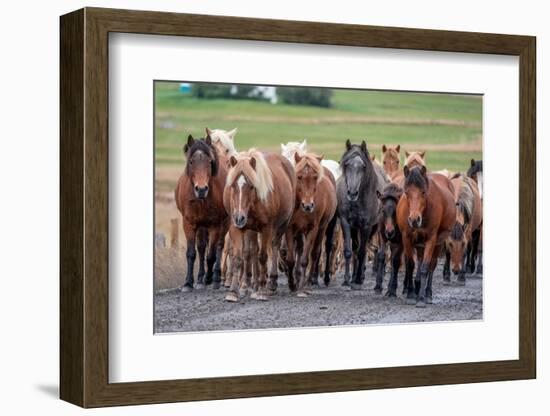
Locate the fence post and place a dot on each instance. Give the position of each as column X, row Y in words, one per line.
column 174, row 233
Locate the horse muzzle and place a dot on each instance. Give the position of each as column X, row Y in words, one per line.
column 239, row 220
column 415, row 222
column 309, row 207
column 201, row 192
column 390, row 234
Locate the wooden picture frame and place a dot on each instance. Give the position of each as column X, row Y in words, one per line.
column 84, row 207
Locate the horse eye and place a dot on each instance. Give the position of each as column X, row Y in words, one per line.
column 315, row 178
column 226, row 150
column 299, row 178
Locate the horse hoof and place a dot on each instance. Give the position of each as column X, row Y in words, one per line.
column 254, row 295
column 345, row 283
column 461, row 282
column 186, row 288
column 261, row 296
column 429, row 300
column 420, row 304
column 390, row 294
column 199, row 286
column 216, row 285
column 446, row 281
column 231, row 297
column 302, row 294
column 411, row 301
column 378, row 290
column 327, row 283
column 356, row 286
column 243, row 292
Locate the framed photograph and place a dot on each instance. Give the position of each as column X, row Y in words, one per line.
column 256, row 207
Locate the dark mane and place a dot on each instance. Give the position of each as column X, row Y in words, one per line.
column 200, row 144
column 354, row 151
column 416, row 178
column 393, row 191
column 475, row 167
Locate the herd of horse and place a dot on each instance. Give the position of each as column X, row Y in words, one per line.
column 253, row 214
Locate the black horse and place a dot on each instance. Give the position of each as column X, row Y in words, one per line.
column 389, row 234
column 475, row 250
column 357, row 207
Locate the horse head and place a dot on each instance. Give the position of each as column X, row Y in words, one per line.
column 292, row 148
column 416, row 189
column 389, row 198
column 390, row 158
column 202, row 164
column 413, row 159
column 309, row 173
column 223, row 141
column 356, row 166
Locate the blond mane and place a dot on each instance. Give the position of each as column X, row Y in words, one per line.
column 260, row 177
column 223, row 140
column 415, row 159
column 291, row 148
column 314, row 162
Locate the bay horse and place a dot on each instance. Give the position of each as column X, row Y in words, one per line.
column 314, row 210
column 425, row 216
column 357, row 207
column 475, row 171
column 257, row 198
column 389, row 233
column 199, row 198
column 468, row 220
column 391, row 159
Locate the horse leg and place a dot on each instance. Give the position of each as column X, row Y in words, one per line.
column 290, row 258
column 274, row 269
column 316, row 256
column 479, row 269
column 447, row 268
column 347, row 249
column 202, row 242
column 417, row 278
column 214, row 248
column 225, row 259
column 190, row 232
column 254, row 248
column 396, row 253
column 329, row 246
column 247, row 274
column 361, row 254
column 265, row 239
column 433, row 265
column 237, row 238
column 422, row 275
column 408, row 286
column 380, row 264
column 304, row 259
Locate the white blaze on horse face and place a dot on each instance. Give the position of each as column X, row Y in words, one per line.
column 240, row 182
column 479, row 180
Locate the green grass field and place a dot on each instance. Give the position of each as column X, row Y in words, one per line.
column 448, row 126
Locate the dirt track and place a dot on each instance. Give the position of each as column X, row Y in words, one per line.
column 204, row 310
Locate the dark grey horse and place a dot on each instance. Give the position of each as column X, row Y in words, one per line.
column 357, row 207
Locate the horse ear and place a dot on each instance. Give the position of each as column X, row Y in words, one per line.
column 253, row 163
column 233, row 161
column 208, row 131
column 297, row 157
column 398, row 148
column 406, row 171
column 304, row 145
column 190, row 140
column 319, row 157
column 422, row 154
column 384, row 148
column 208, row 140
column 232, row 133
column 364, row 147
column 472, row 163
column 407, row 154
column 348, row 144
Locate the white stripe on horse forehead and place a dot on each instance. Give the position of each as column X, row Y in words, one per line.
column 241, row 181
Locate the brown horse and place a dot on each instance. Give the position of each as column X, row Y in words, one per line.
column 413, row 159
column 314, row 208
column 468, row 220
column 425, row 215
column 199, row 198
column 256, row 197
column 391, row 159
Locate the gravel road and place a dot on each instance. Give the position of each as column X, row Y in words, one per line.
column 206, row 310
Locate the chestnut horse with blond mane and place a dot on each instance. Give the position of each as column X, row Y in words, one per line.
column 199, row 198
column 314, row 210
column 256, row 198
column 425, row 215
